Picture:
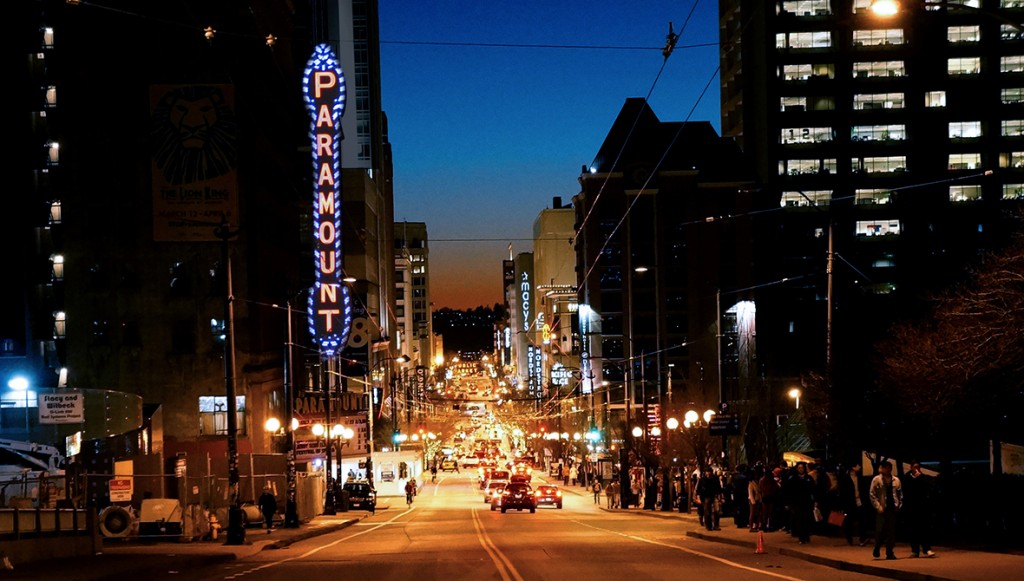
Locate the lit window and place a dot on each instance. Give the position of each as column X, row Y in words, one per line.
column 870, row 196
column 794, row 199
column 52, row 153
column 964, row 129
column 1013, row 191
column 55, row 212
column 878, row 37
column 964, row 161
column 878, row 101
column 935, row 99
column 861, row 6
column 816, row 39
column 885, row 261
column 792, row 103
column 806, row 7
column 1013, row 95
column 1014, row 159
column 1011, row 64
column 58, row 267
column 968, row 193
column 796, row 167
column 804, row 71
column 964, row 66
column 213, row 415
column 963, row 33
column 889, row 164
column 1012, row 127
column 47, row 38
column 50, row 96
column 1011, row 4
column 872, row 228
column 218, row 329
column 60, row 322
column 1010, row 32
column 878, row 133
column 805, row 134
column 878, row 69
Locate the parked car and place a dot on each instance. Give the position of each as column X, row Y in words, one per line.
column 517, row 495
column 361, row 495
column 548, row 494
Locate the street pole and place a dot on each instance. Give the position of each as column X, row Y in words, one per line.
column 329, row 507
column 291, row 514
column 721, row 391
column 235, row 532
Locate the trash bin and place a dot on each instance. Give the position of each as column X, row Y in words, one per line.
column 343, row 502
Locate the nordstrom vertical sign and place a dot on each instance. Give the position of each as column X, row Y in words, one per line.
column 330, row 306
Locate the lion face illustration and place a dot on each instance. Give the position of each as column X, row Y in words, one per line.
column 193, row 134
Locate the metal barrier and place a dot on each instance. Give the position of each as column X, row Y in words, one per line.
column 18, row 523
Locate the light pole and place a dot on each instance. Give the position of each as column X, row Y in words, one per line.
column 291, row 512
column 235, row 532
column 794, row 394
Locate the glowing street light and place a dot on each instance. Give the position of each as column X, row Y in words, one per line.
column 794, row 394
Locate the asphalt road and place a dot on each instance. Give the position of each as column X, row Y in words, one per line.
column 450, row 534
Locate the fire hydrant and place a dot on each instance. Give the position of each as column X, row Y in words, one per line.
column 214, row 526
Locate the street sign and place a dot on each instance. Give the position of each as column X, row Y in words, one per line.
column 120, row 489
column 725, row 425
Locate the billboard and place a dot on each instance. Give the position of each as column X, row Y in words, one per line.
column 194, row 159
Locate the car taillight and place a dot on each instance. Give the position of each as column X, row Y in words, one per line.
column 537, row 493
column 506, row 493
column 559, row 493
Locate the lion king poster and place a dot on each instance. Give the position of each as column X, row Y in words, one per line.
column 193, row 134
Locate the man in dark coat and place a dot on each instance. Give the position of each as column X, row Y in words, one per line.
column 268, row 507
column 917, row 511
column 798, row 494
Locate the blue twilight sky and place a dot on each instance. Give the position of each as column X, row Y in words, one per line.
column 483, row 137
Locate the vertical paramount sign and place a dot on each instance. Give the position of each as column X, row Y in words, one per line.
column 330, row 305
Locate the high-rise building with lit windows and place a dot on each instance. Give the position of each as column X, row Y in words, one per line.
column 139, row 130
column 893, row 145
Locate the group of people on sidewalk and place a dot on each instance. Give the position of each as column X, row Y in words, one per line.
column 805, row 500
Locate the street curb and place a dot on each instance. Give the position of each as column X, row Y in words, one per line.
column 312, row 532
column 827, row 561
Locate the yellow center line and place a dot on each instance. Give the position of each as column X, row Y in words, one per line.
column 692, row 552
column 504, row 566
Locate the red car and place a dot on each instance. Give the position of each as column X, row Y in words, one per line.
column 548, row 494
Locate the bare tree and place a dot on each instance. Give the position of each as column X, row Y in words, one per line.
column 968, row 350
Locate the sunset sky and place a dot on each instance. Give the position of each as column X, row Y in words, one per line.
column 487, row 125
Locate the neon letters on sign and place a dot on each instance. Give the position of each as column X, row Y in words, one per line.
column 330, row 304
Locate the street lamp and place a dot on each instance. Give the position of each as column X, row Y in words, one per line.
column 794, row 394
column 320, row 431
column 340, row 434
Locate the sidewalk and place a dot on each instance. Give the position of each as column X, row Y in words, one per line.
column 948, row 565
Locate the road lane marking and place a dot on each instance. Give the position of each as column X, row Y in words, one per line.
column 316, row 550
column 692, row 552
column 501, row 562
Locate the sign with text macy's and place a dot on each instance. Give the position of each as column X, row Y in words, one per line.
column 63, row 407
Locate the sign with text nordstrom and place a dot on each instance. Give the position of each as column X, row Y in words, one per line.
column 64, row 407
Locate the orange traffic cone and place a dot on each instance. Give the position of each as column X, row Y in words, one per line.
column 760, row 544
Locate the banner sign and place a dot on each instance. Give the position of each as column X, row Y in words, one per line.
column 62, row 407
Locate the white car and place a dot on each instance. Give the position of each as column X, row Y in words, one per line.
column 493, row 488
